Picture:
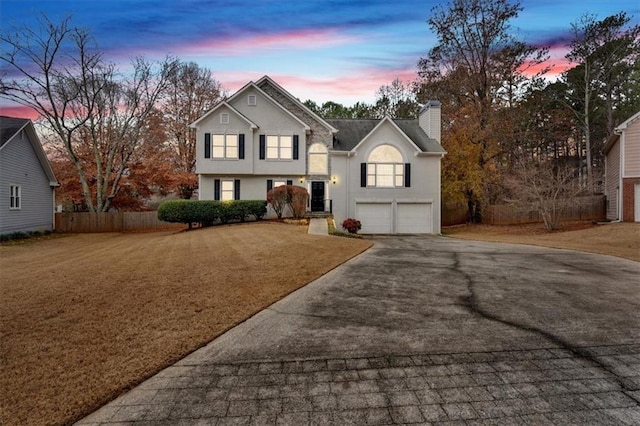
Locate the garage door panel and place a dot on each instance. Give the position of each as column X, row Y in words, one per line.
column 376, row 218
column 414, row 218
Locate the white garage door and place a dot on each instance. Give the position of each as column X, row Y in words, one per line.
column 414, row 218
column 376, row 218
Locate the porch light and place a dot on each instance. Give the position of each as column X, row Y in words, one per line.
column 334, row 179
column 301, row 179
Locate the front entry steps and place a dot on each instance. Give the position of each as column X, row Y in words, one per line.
column 318, row 214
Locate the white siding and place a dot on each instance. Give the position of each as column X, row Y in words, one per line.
column 425, row 178
column 19, row 165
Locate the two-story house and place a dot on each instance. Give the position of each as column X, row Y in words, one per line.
column 385, row 173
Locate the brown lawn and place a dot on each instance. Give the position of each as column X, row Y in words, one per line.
column 85, row 317
column 615, row 239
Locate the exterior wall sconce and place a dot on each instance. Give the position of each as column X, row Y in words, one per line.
column 334, row 180
column 301, row 179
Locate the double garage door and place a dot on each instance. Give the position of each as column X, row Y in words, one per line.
column 395, row 218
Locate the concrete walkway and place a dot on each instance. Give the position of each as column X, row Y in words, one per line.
column 424, row 330
column 318, row 226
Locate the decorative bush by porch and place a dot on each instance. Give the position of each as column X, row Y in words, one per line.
column 207, row 212
column 351, row 225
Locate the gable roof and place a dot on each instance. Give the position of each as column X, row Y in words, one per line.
column 251, row 84
column 235, row 111
column 10, row 127
column 618, row 131
column 353, row 131
column 296, row 101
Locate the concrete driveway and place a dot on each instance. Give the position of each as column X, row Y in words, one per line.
column 421, row 330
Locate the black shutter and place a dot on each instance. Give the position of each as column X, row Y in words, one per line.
column 236, row 189
column 295, row 147
column 269, row 184
column 263, row 147
column 289, row 182
column 241, row 146
column 207, row 145
column 407, row 175
column 216, row 189
column 363, row 175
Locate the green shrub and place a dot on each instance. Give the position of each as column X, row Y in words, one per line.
column 206, row 213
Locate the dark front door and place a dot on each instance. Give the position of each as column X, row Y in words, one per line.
column 317, row 196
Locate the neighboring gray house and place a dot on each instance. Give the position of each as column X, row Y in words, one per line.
column 385, row 173
column 26, row 179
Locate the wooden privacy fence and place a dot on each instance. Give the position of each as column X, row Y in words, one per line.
column 584, row 208
column 109, row 222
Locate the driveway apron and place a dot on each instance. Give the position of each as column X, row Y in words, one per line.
column 421, row 330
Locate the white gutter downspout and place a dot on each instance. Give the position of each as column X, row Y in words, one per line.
column 620, row 195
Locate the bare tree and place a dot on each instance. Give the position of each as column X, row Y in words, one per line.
column 396, row 100
column 546, row 187
column 191, row 92
column 96, row 113
column 606, row 53
column 476, row 67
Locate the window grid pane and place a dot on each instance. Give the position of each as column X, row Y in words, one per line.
column 226, row 190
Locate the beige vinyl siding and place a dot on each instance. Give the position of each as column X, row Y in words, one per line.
column 632, row 150
column 19, row 165
column 612, row 181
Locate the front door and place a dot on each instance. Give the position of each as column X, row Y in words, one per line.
column 317, row 196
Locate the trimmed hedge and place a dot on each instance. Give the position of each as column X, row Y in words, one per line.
column 206, row 213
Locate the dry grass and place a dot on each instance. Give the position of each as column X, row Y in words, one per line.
column 85, row 317
column 615, row 239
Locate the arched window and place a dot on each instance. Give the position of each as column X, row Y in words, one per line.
column 385, row 167
column 318, row 155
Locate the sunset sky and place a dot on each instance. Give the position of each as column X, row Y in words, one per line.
column 338, row 50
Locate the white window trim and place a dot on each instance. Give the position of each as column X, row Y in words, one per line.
column 278, row 147
column 325, row 156
column 252, row 100
column 374, row 175
column 15, row 201
column 277, row 183
column 225, row 146
column 224, row 118
column 223, row 191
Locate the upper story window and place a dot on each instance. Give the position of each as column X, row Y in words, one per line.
column 15, row 202
column 252, row 100
column 225, row 146
column 224, row 118
column 318, row 159
column 279, row 147
column 385, row 168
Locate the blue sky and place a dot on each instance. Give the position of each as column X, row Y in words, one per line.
column 336, row 50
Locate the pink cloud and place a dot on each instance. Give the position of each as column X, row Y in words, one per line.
column 18, row 111
column 359, row 86
column 556, row 62
column 239, row 46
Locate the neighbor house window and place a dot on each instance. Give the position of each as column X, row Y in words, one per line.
column 251, row 100
column 226, row 190
column 279, row 147
column 318, row 156
column 277, row 183
column 224, row 118
column 385, row 167
column 225, row 146
column 16, row 194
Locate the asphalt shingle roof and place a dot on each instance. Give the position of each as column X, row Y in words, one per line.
column 9, row 126
column 352, row 131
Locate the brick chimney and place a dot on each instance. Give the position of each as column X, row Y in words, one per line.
column 429, row 119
